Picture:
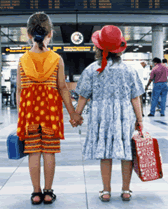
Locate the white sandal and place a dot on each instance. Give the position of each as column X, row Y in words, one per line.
column 126, row 192
column 101, row 193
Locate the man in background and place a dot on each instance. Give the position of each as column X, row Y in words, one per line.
column 159, row 76
column 164, row 61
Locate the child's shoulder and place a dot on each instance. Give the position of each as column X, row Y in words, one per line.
column 91, row 68
column 129, row 68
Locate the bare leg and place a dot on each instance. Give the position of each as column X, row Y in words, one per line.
column 106, row 166
column 34, row 169
column 126, row 175
column 49, row 170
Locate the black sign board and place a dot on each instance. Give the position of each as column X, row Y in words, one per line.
column 29, row 6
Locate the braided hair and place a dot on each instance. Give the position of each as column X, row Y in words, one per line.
column 39, row 26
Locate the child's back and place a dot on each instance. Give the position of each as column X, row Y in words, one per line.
column 111, row 117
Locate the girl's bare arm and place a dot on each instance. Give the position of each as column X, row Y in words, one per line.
column 66, row 94
column 137, row 109
column 18, row 92
column 81, row 104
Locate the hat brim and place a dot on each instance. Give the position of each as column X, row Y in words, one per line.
column 95, row 40
column 122, row 48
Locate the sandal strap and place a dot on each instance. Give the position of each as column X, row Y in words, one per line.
column 49, row 192
column 101, row 193
column 34, row 194
column 127, row 192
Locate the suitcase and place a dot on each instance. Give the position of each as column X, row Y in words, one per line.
column 147, row 162
column 15, row 147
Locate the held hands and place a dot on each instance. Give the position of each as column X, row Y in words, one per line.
column 76, row 119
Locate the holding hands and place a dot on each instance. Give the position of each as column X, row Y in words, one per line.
column 76, row 119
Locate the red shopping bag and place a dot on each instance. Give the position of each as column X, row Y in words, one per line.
column 147, row 162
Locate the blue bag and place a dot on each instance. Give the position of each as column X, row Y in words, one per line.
column 15, row 147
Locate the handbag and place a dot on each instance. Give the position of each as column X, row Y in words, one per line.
column 15, row 147
column 147, row 162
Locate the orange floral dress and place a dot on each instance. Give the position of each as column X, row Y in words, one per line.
column 40, row 117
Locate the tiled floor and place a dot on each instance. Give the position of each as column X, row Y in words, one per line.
column 78, row 182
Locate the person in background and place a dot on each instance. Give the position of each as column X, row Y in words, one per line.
column 115, row 111
column 146, row 75
column 164, row 61
column 159, row 76
column 41, row 87
column 13, row 92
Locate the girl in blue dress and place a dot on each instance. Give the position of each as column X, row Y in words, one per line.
column 115, row 112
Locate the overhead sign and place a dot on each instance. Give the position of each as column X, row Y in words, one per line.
column 54, row 48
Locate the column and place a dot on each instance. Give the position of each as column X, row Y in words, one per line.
column 0, row 71
column 157, row 41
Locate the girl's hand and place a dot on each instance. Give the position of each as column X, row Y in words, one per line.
column 73, row 123
column 76, row 119
column 137, row 125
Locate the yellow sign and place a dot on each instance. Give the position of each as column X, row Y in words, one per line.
column 76, row 49
column 54, row 48
column 57, row 48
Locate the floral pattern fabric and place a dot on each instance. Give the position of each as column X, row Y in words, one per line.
column 111, row 119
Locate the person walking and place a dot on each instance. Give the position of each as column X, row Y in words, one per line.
column 41, row 87
column 115, row 111
column 164, row 61
column 159, row 76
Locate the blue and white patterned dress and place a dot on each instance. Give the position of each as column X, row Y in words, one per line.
column 111, row 120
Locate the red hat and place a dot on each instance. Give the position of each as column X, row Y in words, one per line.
column 108, row 39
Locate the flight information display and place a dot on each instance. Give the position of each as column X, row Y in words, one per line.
column 58, row 49
column 20, row 6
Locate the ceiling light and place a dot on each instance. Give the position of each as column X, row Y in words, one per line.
column 140, row 46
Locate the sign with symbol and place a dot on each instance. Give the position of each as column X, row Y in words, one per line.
column 77, row 38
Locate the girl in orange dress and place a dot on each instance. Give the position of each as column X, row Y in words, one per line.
column 41, row 88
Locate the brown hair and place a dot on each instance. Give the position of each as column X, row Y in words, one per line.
column 99, row 55
column 39, row 25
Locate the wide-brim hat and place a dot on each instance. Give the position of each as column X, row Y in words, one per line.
column 108, row 39
column 114, row 44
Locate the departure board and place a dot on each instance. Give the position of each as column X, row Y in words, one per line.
column 20, row 6
column 13, row 50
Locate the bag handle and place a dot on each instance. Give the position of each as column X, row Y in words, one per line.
column 140, row 131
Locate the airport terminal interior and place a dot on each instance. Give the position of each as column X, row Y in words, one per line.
column 144, row 25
